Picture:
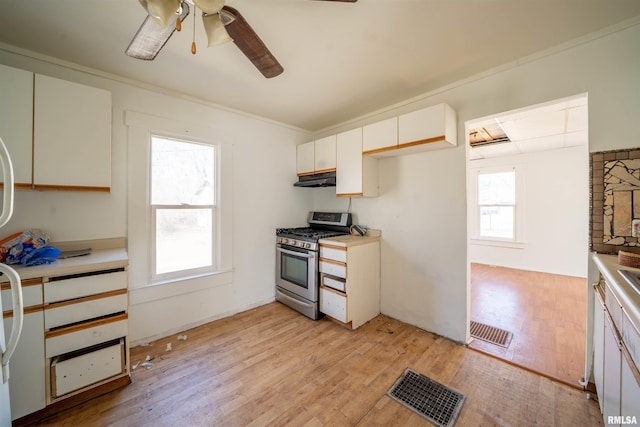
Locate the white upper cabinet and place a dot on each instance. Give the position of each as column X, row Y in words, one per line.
column 380, row 136
column 16, row 120
column 356, row 175
column 325, row 154
column 72, row 136
column 430, row 128
column 316, row 156
column 305, row 158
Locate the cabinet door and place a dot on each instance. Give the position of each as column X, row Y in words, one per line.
column 27, row 386
column 349, row 163
column 630, row 391
column 612, row 365
column 72, row 135
column 598, row 345
column 305, row 158
column 325, row 154
column 427, row 129
column 380, row 136
column 16, row 120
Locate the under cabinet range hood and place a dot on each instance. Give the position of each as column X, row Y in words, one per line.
column 325, row 179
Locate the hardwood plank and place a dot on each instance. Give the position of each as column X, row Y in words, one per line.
column 270, row 366
column 546, row 313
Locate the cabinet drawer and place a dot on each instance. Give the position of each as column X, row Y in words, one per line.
column 334, row 283
column 84, row 285
column 73, row 373
column 333, row 268
column 336, row 254
column 631, row 338
column 88, row 334
column 333, row 304
column 60, row 314
column 31, row 295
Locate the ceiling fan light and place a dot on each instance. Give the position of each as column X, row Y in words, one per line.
column 150, row 38
column 162, row 11
column 209, row 6
column 214, row 28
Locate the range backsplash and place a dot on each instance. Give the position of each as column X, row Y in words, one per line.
column 614, row 200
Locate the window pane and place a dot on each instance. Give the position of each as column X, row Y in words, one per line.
column 497, row 188
column 181, row 173
column 496, row 221
column 183, row 239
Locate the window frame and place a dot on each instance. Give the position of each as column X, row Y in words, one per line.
column 518, row 238
column 180, row 274
column 139, row 222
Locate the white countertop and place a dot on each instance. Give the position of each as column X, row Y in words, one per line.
column 100, row 259
column 628, row 297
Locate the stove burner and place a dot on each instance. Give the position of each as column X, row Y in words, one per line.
column 308, row 233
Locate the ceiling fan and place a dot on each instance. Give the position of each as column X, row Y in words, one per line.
column 221, row 24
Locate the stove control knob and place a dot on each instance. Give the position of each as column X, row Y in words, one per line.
column 284, row 241
column 307, row 245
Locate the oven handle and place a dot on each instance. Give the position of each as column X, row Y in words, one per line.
column 296, row 301
column 294, row 253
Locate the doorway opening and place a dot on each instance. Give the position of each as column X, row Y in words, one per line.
column 528, row 228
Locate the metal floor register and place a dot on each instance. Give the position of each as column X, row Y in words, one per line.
column 429, row 399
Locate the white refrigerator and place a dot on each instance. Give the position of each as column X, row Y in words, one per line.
column 8, row 339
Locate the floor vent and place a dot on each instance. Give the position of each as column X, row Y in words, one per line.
column 491, row 334
column 429, row 399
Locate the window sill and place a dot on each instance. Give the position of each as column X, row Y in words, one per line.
column 498, row 243
column 179, row 286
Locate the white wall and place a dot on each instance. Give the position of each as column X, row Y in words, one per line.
column 556, row 213
column 421, row 207
column 263, row 198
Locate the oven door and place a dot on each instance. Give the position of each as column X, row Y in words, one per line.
column 297, row 271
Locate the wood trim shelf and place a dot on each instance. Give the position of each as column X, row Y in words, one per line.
column 43, row 187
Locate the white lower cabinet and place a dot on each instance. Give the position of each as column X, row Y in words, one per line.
column 27, row 370
column 598, row 343
column 616, row 345
column 610, row 400
column 86, row 330
column 74, row 339
column 350, row 279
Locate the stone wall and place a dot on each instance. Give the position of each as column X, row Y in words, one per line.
column 615, row 200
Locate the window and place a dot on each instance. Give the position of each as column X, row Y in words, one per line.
column 496, row 195
column 183, row 207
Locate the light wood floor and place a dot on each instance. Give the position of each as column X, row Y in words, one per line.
column 272, row 366
column 546, row 313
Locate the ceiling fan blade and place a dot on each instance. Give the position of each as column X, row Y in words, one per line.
column 151, row 37
column 251, row 45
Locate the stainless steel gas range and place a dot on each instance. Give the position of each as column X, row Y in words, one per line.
column 297, row 275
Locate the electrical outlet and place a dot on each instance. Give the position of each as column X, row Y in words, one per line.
column 635, row 228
